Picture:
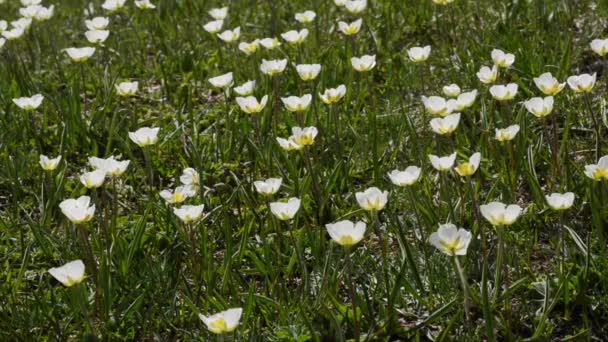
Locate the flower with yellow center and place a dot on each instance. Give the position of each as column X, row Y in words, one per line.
column 372, row 199
column 304, row 136
column 499, row 214
column 451, row 240
column 346, row 233
column 469, row 168
column 507, row 134
column 350, row 29
column 548, row 84
column 69, row 274
column 445, row 125
column 49, row 164
column 285, row 211
column 363, row 63
column 297, row 104
column 583, row 83
column 598, row 171
column 333, row 95
column 251, row 105
column 223, row 322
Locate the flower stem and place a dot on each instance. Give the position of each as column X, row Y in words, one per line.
column 465, row 287
column 353, row 294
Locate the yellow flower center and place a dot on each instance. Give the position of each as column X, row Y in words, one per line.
column 452, row 246
column 346, row 240
column 218, row 326
column 600, row 173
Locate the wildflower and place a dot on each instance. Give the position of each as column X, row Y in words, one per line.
column 452, row 90
column 113, row 5
column 214, row 26
column 418, row 54
column 180, row 194
column 463, row 101
column 363, row 63
column 599, row 46
column 487, row 75
column 222, row 81
column 218, row 13
column 270, row 43
column 443, row 2
column 499, row 214
column 539, row 107
column 469, row 168
column 598, row 171
column 14, row 33
column 112, row 167
column 269, row 186
column 437, row 105
column 445, row 125
column 145, row 136
column 29, row 103
column 273, row 67
column 249, row 48
column 80, row 55
column 442, row 163
column 504, row 93
column 582, row 83
column 190, row 178
column 285, row 211
column 405, row 178
column 501, row 59
column 69, row 274
column 548, row 84
column 346, row 233
column 297, row 104
column 93, row 179
column 350, row 29
column 372, row 199
column 289, row 144
column 451, row 240
column 560, row 201
column 308, row 72
column 304, row 136
column 245, row 89
column 97, row 23
column 49, row 164
column 144, row 4
column 189, row 213
column 507, row 134
column 78, row 210
column 333, row 95
column 127, row 89
column 97, row 36
column 305, row 17
column 295, row 37
column 223, row 322
column 355, row 6
column 230, row 36
column 251, row 105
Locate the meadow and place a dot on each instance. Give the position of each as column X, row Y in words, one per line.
column 322, row 170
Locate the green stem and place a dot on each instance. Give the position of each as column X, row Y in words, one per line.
column 465, row 287
column 353, row 294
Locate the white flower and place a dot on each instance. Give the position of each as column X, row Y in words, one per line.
column 97, row 36
column 451, row 240
column 363, row 63
column 222, row 81
column 599, row 46
column 419, row 54
column 499, row 214
column 598, row 171
column 189, row 213
column 214, row 27
column 2, row 42
column 350, row 29
column 507, row 134
column 463, row 101
column 30, row 2
column 452, row 90
column 442, row 163
column 539, row 107
column 285, row 211
column 487, row 75
column 469, row 168
column 355, row 6
column 190, row 178
column 295, row 37
column 178, row 195
column 340, row 3
column 3, row 25
column 251, row 105
column 445, row 125
column 503, row 93
column 29, row 103
column 22, row 23
column 548, row 84
column 245, row 89
column 79, row 55
column 14, row 33
column 69, row 274
column 127, row 88
column 249, row 48
column 218, row 13
column 145, row 136
column 372, row 199
column 223, row 322
column 297, row 104
column 144, row 4
column 560, row 201
column 113, row 5
column 289, row 144
column 93, row 179
column 49, row 164
column 230, row 36
column 268, row 187
column 270, row 43
column 405, row 178
column 333, row 95
column 305, row 17
column 78, row 210
column 346, row 233
column 308, row 72
column 501, row 59
column 111, row 166
column 97, row 23
column 29, row 11
column 582, row 83
column 443, row 2
column 437, row 105
column 44, row 13
column 273, row 67
column 304, row 136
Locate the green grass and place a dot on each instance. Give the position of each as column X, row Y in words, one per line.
column 155, row 274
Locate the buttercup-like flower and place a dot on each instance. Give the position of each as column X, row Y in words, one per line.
column 14, row 33
column 251, row 105
column 97, row 23
column 113, row 5
column 487, row 75
column 285, row 211
column 295, row 37
column 445, row 125
column 451, row 240
column 452, row 90
column 469, row 168
column 180, row 194
column 350, row 29
column 268, row 187
column 80, row 55
column 304, row 136
column 333, row 95
column 548, row 84
column 582, row 83
column 78, row 210
column 507, row 134
column 273, row 67
column 346, row 233
column 560, row 201
column 189, row 213
column 499, row 214
column 249, row 48
column 442, row 163
column 270, row 43
column 97, row 36
column 443, row 2
column 223, row 322
column 504, row 93
column 190, row 178
column 308, row 72
column 419, row 54
column 599, row 46
column 289, row 144
column 230, row 36
column 245, row 89
column 501, row 59
column 539, row 107
column 22, row 23
column 297, row 104
column 144, row 4
column 464, row 101
column 598, row 171
column 363, row 63
column 372, row 199
column 29, row 103
column 44, row 13
column 145, row 136
column 127, row 89
column 69, row 274
column 355, row 6
column 222, row 81
column 214, row 26
column 305, row 17
column 436, row 105
column 218, row 13
column 405, row 178
column 93, row 179
column 48, row 164
column 112, row 167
